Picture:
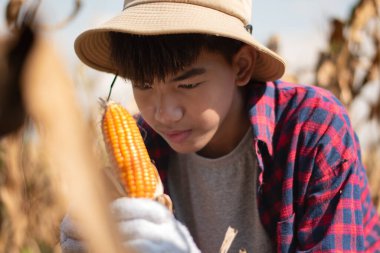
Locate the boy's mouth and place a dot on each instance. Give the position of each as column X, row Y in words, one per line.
column 177, row 136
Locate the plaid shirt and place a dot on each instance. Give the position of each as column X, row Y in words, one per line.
column 313, row 193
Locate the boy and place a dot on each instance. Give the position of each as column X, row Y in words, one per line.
column 234, row 145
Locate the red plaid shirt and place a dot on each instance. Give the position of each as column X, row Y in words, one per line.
column 313, row 193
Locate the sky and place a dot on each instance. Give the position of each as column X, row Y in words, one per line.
column 302, row 27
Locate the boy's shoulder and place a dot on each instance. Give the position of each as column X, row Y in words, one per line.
column 286, row 110
column 306, row 100
column 315, row 115
column 309, row 93
column 287, row 103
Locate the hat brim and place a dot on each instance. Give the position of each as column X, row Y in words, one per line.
column 92, row 46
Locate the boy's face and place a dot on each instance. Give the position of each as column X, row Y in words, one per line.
column 197, row 110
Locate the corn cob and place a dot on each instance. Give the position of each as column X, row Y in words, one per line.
column 126, row 147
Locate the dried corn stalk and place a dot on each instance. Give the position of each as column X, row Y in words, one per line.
column 349, row 65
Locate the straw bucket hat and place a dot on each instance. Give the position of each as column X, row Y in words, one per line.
column 227, row 18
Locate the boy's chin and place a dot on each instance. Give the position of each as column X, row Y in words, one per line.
column 185, row 149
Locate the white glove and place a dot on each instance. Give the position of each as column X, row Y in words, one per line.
column 145, row 227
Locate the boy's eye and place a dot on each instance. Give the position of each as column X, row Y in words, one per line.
column 188, row 85
column 144, row 86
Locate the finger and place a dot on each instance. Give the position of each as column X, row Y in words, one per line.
column 171, row 234
column 134, row 208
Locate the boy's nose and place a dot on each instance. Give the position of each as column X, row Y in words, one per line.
column 168, row 111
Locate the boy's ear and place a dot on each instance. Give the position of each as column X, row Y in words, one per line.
column 243, row 63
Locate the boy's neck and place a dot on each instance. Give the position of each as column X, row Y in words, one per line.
column 231, row 132
column 227, row 144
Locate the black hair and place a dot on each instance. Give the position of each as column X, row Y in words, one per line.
column 146, row 58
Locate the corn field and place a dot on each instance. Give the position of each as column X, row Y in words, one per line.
column 51, row 156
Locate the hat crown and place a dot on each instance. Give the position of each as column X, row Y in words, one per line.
column 224, row 18
column 241, row 9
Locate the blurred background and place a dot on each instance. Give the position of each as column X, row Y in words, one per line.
column 334, row 44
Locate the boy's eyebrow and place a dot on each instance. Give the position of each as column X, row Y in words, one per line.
column 190, row 73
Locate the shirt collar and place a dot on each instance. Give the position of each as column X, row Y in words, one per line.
column 261, row 105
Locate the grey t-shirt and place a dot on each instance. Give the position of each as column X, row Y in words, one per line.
column 211, row 194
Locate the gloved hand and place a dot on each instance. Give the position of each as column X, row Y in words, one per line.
column 145, row 226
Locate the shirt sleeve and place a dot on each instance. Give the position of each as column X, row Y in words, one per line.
column 333, row 215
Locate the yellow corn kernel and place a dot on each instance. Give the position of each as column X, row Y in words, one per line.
column 127, row 149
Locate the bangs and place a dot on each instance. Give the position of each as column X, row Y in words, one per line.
column 144, row 59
